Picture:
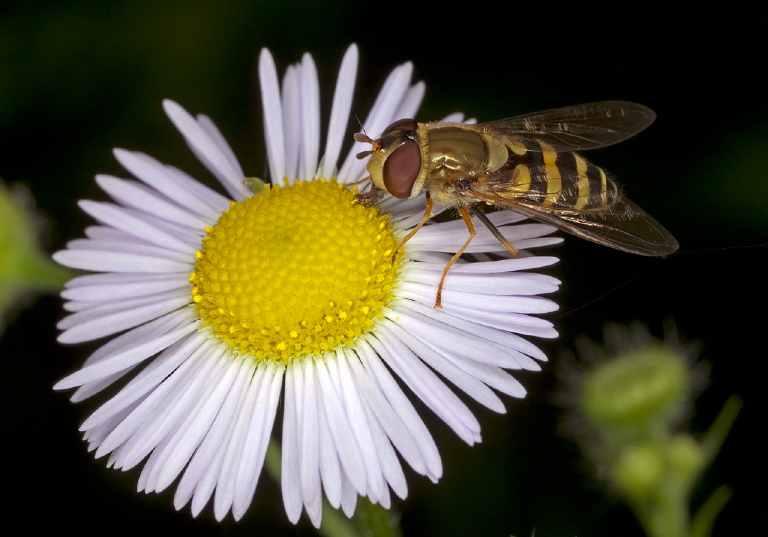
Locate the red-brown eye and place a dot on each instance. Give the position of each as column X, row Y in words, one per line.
column 401, row 169
column 406, row 124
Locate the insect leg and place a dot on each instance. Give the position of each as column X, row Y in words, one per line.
column 496, row 233
column 464, row 212
column 360, row 182
column 370, row 197
column 427, row 214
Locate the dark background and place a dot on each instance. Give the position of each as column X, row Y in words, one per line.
column 78, row 78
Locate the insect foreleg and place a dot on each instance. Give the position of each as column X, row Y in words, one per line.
column 370, row 197
column 427, row 215
column 360, row 182
column 496, row 233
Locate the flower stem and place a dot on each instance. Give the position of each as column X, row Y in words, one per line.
column 375, row 521
column 715, row 436
column 704, row 519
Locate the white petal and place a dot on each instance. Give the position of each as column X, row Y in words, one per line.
column 517, row 323
column 290, row 478
column 330, row 467
column 292, row 122
column 116, row 286
column 110, row 318
column 215, row 136
column 207, row 150
column 96, row 259
column 178, row 451
column 339, row 427
column 397, row 425
column 411, row 101
column 111, row 240
column 273, row 117
column 126, row 220
column 169, row 414
column 386, row 456
column 458, row 337
column 390, row 99
column 505, row 265
column 89, row 389
column 427, row 386
column 455, row 117
column 437, row 361
column 309, row 431
column 147, row 380
column 96, row 436
column 348, row 498
column 202, row 472
column 485, row 284
column 174, row 184
column 138, row 196
column 358, row 420
column 342, row 104
column 228, row 475
column 406, row 416
column 146, row 340
column 257, row 442
column 156, row 408
column 310, row 114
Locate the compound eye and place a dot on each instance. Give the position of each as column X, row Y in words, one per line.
column 401, row 169
column 406, row 124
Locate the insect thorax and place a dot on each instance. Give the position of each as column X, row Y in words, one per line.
column 455, row 153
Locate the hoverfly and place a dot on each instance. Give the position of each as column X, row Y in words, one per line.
column 525, row 163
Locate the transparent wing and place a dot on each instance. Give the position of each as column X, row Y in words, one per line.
column 623, row 226
column 576, row 128
column 617, row 224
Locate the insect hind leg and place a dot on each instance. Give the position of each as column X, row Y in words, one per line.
column 496, row 233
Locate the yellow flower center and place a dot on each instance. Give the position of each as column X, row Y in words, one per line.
column 295, row 270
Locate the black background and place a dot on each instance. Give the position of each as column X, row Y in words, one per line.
column 78, row 78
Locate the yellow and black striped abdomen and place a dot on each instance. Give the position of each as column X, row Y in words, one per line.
column 560, row 180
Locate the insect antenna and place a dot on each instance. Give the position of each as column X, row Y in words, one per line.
column 362, row 154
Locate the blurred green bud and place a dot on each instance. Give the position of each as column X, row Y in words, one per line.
column 686, row 457
column 636, row 389
column 639, row 470
column 626, row 398
column 24, row 268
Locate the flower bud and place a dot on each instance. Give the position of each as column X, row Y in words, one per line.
column 639, row 470
column 640, row 388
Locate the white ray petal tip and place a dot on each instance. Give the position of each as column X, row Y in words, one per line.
column 266, row 61
column 62, row 385
column 170, row 104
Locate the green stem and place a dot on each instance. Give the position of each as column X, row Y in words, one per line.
column 39, row 272
column 375, row 521
column 704, row 519
column 715, row 437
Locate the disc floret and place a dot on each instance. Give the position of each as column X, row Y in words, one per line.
column 297, row 270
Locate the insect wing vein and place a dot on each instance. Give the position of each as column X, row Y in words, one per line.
column 577, row 128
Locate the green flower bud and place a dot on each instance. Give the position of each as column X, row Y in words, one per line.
column 639, row 470
column 686, row 457
column 640, row 388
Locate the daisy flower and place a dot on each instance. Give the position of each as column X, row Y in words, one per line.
column 215, row 309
